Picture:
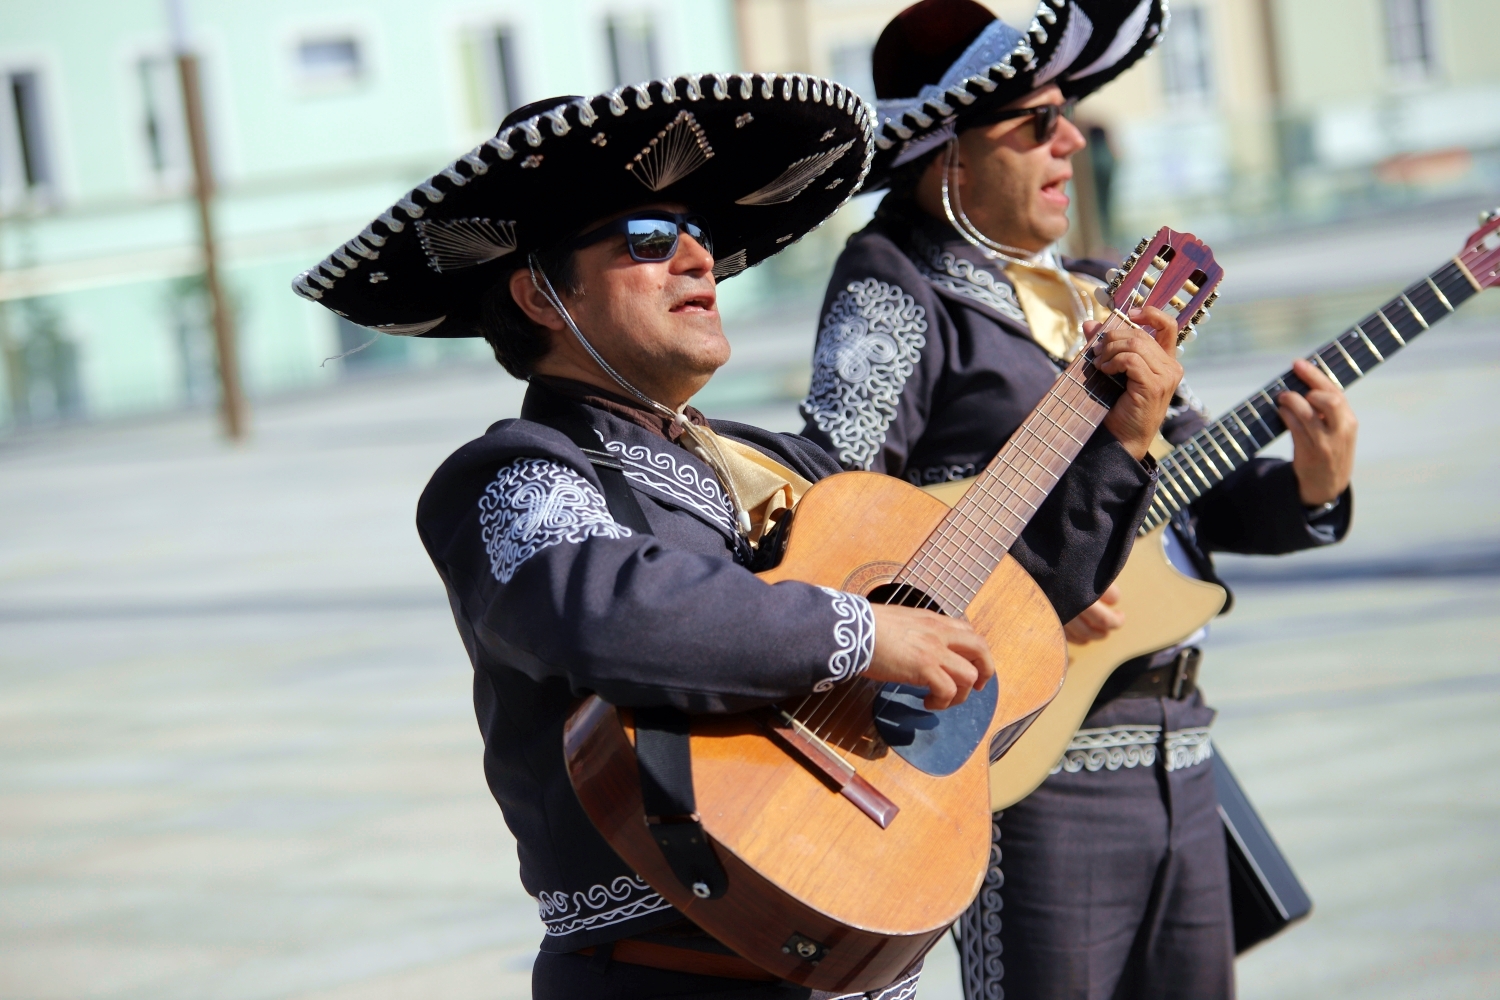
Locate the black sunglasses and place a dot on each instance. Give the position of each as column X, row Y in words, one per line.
column 650, row 236
column 1044, row 118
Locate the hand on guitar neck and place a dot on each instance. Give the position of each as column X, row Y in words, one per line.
column 1323, row 429
column 1145, row 355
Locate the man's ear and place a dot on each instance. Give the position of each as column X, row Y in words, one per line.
column 532, row 302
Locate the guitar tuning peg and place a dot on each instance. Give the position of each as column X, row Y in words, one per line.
column 1201, row 316
column 1114, row 275
column 1104, row 297
column 1212, row 298
column 1488, row 215
column 1140, row 247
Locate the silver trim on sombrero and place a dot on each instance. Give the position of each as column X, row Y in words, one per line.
column 451, row 244
column 796, row 178
column 312, row 283
column 676, row 151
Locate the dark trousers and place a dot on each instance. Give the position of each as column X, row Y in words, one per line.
column 583, row 977
column 1114, row 883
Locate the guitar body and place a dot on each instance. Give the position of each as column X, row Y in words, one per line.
column 801, row 859
column 1162, row 608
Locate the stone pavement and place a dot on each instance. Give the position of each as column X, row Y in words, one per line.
column 237, row 757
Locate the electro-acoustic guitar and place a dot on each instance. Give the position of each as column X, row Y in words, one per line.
column 853, row 825
column 1162, row 606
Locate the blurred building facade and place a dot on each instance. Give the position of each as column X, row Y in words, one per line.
column 319, row 117
column 1251, row 112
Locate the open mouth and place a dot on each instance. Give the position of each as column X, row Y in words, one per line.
column 1056, row 191
column 702, row 302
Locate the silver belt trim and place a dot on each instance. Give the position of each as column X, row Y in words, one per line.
column 1115, row 747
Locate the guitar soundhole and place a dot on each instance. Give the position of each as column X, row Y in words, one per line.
column 903, row 594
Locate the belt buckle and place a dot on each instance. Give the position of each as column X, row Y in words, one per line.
column 1179, row 673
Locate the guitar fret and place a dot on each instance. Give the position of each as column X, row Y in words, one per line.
column 1235, row 413
column 1463, row 269
column 1369, row 344
column 1440, row 296
column 1326, row 370
column 1421, row 320
column 1191, row 464
column 1391, row 326
column 1348, row 358
column 1208, row 433
column 1232, row 441
column 1179, row 479
column 1207, row 460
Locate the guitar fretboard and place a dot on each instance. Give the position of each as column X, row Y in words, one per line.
column 1209, row 456
column 961, row 554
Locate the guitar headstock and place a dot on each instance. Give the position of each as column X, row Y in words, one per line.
column 1176, row 273
column 1481, row 252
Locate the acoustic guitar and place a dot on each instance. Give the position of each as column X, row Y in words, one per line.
column 853, row 825
column 1162, row 606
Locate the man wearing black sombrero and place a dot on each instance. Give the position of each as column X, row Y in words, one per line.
column 1114, row 881
column 604, row 541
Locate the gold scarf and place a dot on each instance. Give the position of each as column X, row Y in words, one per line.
column 1050, row 307
column 763, row 487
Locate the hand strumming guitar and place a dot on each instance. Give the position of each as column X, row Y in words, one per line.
column 925, row 649
column 1146, row 356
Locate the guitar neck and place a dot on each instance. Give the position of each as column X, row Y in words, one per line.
column 962, row 553
column 1209, row 456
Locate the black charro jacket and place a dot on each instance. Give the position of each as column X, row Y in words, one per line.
column 555, row 600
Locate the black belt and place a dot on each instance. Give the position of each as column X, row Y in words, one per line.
column 1176, row 679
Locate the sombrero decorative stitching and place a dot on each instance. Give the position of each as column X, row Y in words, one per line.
column 766, row 158
column 1078, row 44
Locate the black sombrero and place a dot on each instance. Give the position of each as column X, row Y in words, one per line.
column 941, row 61
column 765, row 158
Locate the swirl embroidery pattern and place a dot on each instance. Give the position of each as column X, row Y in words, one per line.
column 661, row 471
column 625, row 898
column 979, row 931
column 871, row 340
column 962, row 277
column 855, row 634
column 534, row 504
column 1134, row 746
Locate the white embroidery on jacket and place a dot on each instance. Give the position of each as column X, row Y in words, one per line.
column 941, row 474
column 1114, row 747
column 963, row 277
column 854, row 634
column 663, row 472
column 871, row 340
column 535, row 503
column 625, row 898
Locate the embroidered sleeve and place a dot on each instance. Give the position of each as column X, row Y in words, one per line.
column 853, row 636
column 871, row 339
column 534, row 504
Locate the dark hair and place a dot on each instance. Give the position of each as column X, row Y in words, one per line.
column 519, row 343
column 904, row 179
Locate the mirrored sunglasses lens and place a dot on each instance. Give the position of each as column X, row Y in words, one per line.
column 651, row 239
column 1044, row 120
column 698, row 230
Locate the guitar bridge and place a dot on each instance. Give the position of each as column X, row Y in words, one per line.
column 825, row 763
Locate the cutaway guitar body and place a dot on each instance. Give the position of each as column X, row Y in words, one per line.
column 1162, row 608
column 805, row 863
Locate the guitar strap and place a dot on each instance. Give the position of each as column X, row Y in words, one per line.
column 662, row 743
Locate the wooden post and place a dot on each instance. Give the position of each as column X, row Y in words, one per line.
column 232, row 399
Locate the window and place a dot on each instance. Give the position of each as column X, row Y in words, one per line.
column 503, row 82
column 850, row 65
column 162, row 125
column 329, row 61
column 1186, row 56
column 632, row 48
column 25, row 159
column 1409, row 31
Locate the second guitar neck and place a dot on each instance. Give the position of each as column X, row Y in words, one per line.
column 1204, row 460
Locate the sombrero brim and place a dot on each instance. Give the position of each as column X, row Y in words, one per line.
column 765, row 158
column 1078, row 44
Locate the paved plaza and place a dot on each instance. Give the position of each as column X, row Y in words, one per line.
column 238, row 759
